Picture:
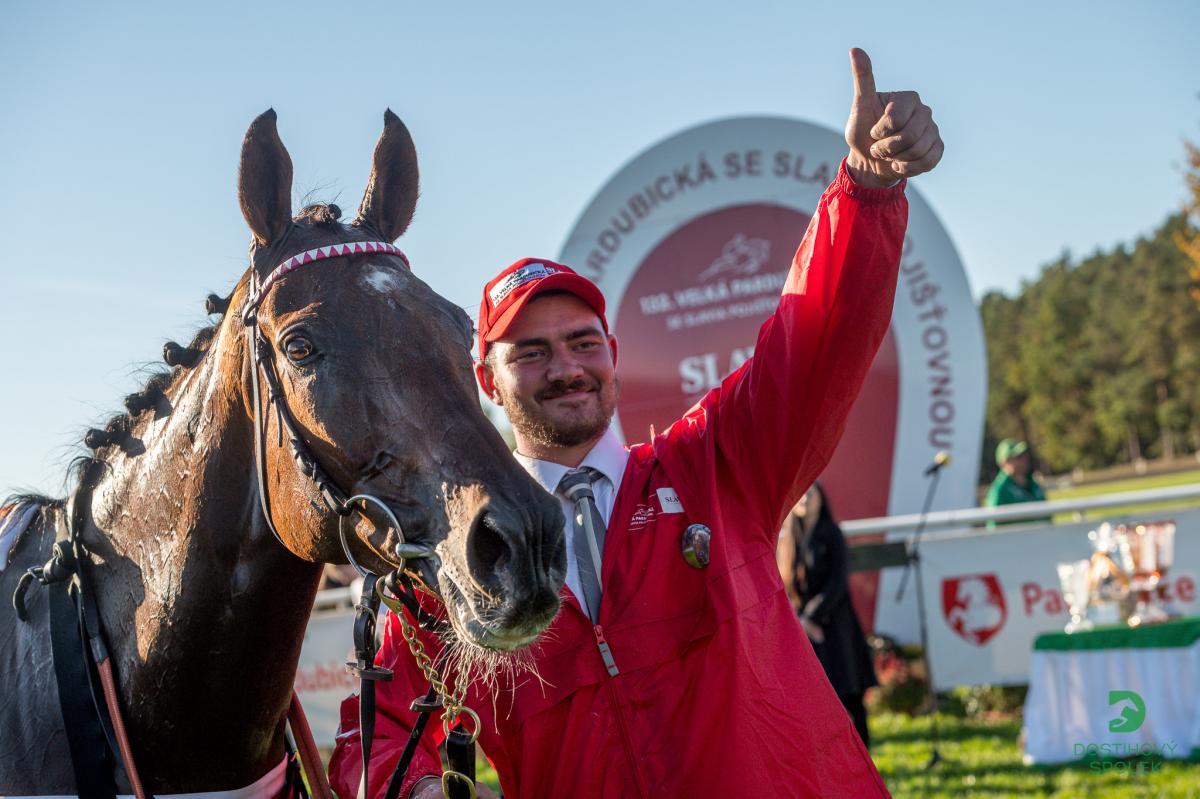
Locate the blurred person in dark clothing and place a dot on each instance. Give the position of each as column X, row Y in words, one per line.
column 813, row 562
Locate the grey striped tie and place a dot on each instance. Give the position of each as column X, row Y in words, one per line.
column 588, row 534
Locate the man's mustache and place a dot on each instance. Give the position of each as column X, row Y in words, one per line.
column 558, row 389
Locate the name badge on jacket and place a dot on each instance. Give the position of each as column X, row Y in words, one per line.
column 669, row 501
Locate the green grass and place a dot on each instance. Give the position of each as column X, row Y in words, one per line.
column 1128, row 484
column 485, row 773
column 982, row 759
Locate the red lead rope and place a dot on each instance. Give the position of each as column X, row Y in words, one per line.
column 310, row 758
column 104, row 668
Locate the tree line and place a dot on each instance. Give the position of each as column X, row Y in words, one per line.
column 1097, row 361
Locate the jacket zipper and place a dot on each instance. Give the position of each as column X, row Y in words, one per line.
column 626, row 743
column 605, row 651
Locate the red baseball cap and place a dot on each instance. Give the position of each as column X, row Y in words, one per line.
column 508, row 292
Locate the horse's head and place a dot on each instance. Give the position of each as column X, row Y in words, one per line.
column 375, row 369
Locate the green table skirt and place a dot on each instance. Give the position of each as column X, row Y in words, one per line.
column 1177, row 633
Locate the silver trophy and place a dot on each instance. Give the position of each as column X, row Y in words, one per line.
column 1108, row 581
column 1148, row 551
column 1073, row 577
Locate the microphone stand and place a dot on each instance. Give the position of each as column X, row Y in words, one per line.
column 914, row 562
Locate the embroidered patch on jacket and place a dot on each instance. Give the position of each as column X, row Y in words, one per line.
column 643, row 514
column 669, row 500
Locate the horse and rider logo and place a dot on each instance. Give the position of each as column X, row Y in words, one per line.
column 1133, row 711
column 973, row 606
column 741, row 255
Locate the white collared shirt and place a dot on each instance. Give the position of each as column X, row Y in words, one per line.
column 608, row 457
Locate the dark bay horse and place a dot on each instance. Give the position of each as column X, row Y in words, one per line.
column 203, row 607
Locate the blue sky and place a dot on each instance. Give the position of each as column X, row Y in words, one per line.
column 1064, row 125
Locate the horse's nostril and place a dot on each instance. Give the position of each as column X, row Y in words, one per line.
column 488, row 551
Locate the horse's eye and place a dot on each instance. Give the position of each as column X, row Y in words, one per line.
column 299, row 349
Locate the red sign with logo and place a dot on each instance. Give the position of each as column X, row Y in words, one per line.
column 973, row 606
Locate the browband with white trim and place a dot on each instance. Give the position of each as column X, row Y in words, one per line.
column 319, row 254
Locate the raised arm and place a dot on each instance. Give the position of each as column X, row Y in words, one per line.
column 771, row 427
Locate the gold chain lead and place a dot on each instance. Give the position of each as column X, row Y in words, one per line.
column 452, row 700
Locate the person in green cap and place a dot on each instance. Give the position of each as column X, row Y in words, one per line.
column 1015, row 482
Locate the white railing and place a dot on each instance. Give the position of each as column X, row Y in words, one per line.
column 970, row 517
column 335, row 598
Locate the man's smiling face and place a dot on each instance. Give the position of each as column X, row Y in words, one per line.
column 554, row 371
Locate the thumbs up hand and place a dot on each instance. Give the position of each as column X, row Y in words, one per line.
column 891, row 135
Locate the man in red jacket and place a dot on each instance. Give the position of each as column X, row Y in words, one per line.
column 677, row 667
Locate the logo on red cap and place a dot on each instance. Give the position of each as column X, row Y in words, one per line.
column 518, row 278
column 508, row 292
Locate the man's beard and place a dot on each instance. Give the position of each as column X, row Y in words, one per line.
column 530, row 420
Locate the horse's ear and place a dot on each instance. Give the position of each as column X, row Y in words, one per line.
column 265, row 180
column 391, row 196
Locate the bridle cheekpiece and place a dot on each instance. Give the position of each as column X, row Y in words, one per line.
column 396, row 590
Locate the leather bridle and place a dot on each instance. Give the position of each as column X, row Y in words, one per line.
column 334, row 499
column 397, row 589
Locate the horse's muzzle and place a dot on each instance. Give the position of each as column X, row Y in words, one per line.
column 516, row 562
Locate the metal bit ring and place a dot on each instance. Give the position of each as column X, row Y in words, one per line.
column 391, row 517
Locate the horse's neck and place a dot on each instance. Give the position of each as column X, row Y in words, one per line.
column 204, row 610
